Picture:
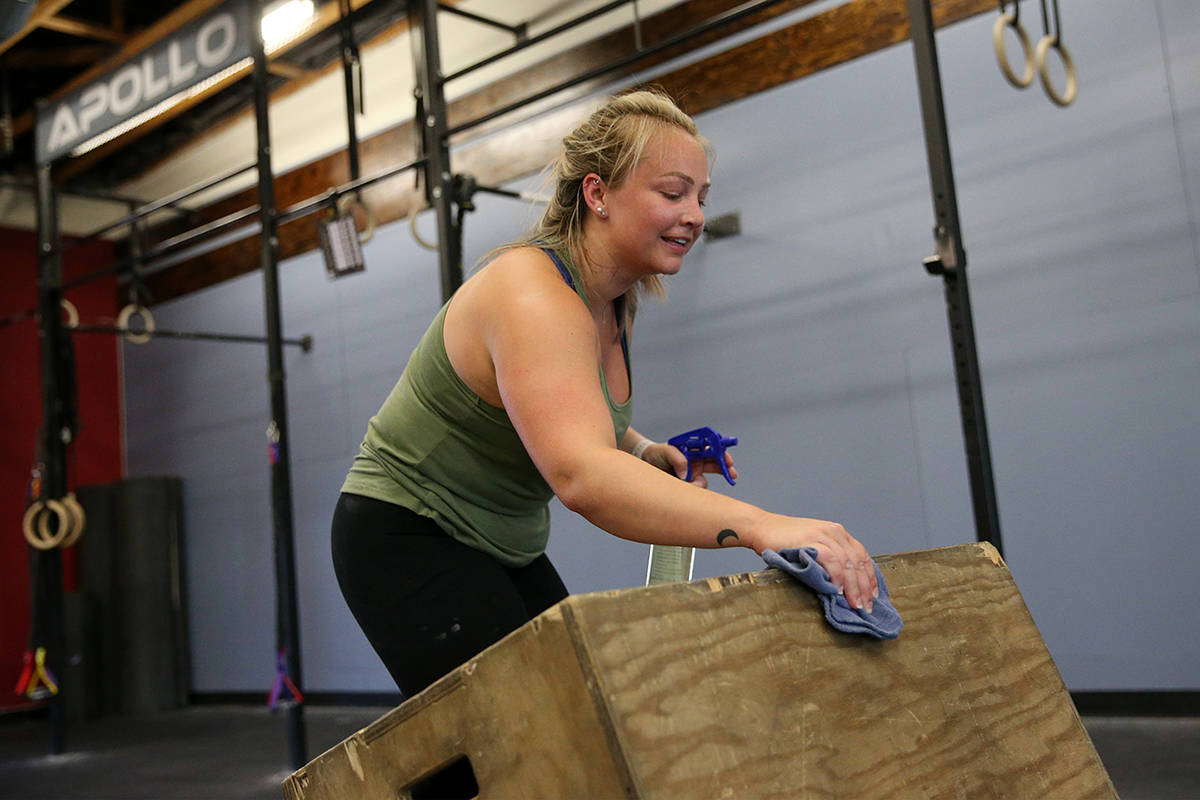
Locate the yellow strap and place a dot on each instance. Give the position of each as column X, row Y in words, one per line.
column 41, row 674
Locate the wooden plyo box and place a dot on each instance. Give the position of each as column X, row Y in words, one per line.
column 736, row 687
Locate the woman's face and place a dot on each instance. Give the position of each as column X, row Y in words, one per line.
column 657, row 214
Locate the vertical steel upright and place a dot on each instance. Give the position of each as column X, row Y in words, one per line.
column 350, row 64
column 46, row 572
column 286, row 607
column 950, row 263
column 432, row 128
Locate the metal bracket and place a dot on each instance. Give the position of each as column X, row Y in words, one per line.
column 520, row 32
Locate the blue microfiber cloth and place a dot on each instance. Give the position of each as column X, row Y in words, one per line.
column 801, row 563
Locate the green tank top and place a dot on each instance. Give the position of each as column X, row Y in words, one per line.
column 437, row 448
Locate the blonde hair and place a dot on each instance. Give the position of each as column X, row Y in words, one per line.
column 609, row 143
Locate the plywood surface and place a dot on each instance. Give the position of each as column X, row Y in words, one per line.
column 736, row 687
column 521, row 713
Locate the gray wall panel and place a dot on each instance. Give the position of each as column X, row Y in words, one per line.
column 335, row 653
column 231, row 580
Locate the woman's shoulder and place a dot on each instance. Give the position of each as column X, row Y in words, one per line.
column 517, row 256
column 520, row 268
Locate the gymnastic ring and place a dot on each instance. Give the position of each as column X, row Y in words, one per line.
column 34, row 509
column 64, row 524
column 147, row 320
column 1072, row 88
column 42, row 539
column 72, row 312
column 1008, row 20
column 412, row 224
column 79, row 521
column 345, row 205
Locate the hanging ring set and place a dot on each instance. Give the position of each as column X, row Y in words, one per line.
column 1036, row 61
column 71, row 522
column 127, row 313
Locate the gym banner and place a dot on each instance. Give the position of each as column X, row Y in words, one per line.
column 162, row 72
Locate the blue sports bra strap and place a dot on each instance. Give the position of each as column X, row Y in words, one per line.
column 566, row 275
column 562, row 268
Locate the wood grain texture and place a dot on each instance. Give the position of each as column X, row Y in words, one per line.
column 736, row 687
column 827, row 39
column 521, row 712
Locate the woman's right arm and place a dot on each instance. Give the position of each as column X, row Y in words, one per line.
column 544, row 349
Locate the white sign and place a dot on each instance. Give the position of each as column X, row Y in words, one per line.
column 191, row 54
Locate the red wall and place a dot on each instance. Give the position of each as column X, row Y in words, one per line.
column 94, row 457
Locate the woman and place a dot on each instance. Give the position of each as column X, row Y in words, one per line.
column 521, row 389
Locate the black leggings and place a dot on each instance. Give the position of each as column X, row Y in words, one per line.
column 426, row 602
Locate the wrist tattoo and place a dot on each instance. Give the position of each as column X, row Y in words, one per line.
column 726, row 534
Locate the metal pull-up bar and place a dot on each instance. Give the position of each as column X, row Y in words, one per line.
column 305, row 343
column 529, row 41
column 518, row 31
column 167, row 202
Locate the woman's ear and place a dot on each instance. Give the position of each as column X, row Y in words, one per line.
column 594, row 192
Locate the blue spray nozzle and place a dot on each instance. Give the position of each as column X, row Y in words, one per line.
column 704, row 443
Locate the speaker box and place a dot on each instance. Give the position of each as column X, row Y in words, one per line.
column 131, row 568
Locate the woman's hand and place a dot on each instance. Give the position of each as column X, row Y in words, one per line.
column 843, row 557
column 671, row 459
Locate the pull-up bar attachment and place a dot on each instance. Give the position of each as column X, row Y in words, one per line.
column 305, row 343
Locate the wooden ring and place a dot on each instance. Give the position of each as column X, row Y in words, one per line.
column 147, row 320
column 64, row 524
column 1072, row 88
column 31, row 536
column 1009, row 20
column 78, row 521
column 346, row 204
column 412, row 224
column 72, row 312
column 42, row 539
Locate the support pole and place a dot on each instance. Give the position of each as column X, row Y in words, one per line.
column 950, row 263
column 431, row 121
column 46, row 573
column 352, row 78
column 287, row 609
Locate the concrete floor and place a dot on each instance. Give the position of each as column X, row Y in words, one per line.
column 240, row 753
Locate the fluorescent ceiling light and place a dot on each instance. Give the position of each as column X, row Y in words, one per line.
column 285, row 21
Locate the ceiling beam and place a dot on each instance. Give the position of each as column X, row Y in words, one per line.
column 82, row 28
column 77, row 56
column 116, row 14
column 45, row 9
column 805, row 48
column 286, row 69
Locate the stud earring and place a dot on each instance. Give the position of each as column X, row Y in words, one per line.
column 600, row 210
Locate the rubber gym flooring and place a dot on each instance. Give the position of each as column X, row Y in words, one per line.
column 231, row 752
